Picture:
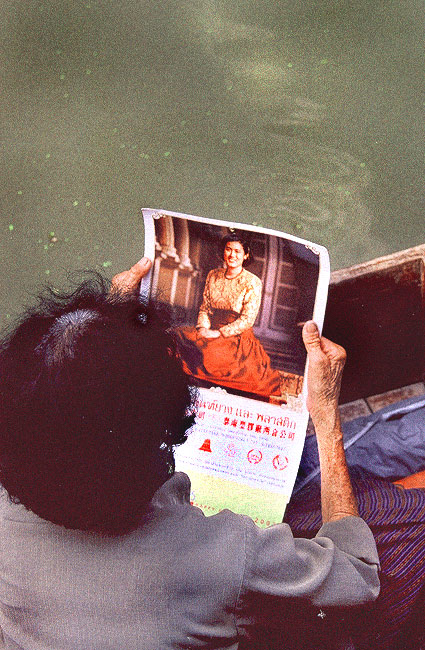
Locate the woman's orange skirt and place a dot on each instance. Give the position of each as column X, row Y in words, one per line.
column 239, row 362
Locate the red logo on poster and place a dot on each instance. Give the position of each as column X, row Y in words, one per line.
column 254, row 456
column 280, row 462
column 206, row 445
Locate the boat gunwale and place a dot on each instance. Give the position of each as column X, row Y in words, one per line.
column 384, row 263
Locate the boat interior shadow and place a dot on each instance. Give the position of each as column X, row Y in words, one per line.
column 376, row 310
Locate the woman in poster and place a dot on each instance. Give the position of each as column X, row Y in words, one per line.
column 222, row 348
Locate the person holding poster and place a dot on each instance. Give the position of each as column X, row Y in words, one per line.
column 222, row 348
column 100, row 546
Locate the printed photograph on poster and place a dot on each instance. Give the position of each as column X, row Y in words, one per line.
column 239, row 299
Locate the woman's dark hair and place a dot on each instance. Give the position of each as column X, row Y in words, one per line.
column 243, row 241
column 92, row 400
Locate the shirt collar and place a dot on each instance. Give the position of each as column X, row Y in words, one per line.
column 175, row 491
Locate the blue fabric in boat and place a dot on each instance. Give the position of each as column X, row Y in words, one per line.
column 389, row 443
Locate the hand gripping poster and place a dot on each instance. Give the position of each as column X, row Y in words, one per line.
column 239, row 296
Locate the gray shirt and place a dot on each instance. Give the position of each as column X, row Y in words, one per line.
column 180, row 581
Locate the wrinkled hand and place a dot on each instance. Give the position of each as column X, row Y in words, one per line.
column 326, row 363
column 129, row 281
column 205, row 333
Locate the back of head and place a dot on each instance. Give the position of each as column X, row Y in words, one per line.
column 92, row 399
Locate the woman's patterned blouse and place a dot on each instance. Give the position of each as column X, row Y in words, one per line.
column 241, row 294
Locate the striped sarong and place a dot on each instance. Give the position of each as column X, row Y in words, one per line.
column 397, row 520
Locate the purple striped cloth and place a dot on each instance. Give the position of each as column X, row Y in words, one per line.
column 397, row 520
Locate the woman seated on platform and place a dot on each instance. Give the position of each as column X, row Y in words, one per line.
column 222, row 348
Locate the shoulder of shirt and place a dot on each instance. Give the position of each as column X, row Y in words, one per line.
column 176, row 492
column 252, row 278
column 215, row 274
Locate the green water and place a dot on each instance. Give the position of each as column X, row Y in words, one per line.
column 306, row 117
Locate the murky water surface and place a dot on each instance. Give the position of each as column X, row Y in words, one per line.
column 306, row 117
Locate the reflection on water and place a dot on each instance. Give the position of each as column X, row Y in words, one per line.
column 322, row 197
column 308, row 186
column 305, row 117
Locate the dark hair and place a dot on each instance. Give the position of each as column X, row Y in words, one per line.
column 243, row 241
column 92, row 400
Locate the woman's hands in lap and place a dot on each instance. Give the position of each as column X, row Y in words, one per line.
column 205, row 333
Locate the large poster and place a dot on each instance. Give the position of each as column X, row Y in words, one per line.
column 239, row 296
